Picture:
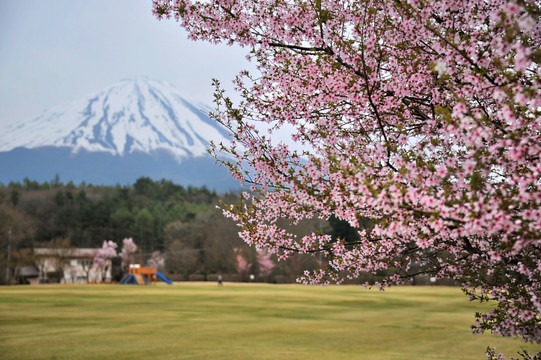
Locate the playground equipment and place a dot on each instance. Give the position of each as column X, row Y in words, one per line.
column 139, row 275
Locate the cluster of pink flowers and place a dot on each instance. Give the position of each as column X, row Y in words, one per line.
column 422, row 116
column 243, row 266
column 263, row 261
column 127, row 253
column 107, row 251
column 157, row 259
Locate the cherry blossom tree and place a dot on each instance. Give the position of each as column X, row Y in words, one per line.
column 157, row 259
column 104, row 255
column 422, row 116
column 264, row 263
column 127, row 254
column 243, row 266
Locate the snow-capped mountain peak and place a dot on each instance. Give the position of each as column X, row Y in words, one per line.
column 137, row 115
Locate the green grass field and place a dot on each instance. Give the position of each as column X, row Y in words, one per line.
column 240, row 321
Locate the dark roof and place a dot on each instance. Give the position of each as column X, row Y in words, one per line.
column 71, row 253
column 28, row 271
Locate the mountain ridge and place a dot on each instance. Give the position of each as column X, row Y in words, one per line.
column 138, row 114
column 133, row 128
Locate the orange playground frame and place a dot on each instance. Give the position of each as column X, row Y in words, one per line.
column 149, row 271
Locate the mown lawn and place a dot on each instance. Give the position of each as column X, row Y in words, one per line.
column 240, row 321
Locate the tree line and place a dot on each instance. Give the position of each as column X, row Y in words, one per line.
column 184, row 224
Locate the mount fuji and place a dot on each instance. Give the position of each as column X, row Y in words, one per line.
column 133, row 128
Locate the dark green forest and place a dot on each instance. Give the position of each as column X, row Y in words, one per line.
column 182, row 223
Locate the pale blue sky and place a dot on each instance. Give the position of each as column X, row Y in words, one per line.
column 55, row 51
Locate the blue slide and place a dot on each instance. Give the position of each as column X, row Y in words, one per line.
column 160, row 275
column 129, row 279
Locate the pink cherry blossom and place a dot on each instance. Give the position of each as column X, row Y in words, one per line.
column 107, row 251
column 418, row 123
column 127, row 253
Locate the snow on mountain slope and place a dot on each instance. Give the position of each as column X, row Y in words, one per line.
column 138, row 115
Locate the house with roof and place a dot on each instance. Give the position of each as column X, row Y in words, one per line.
column 68, row 266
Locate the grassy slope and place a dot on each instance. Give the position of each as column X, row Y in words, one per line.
column 239, row 321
